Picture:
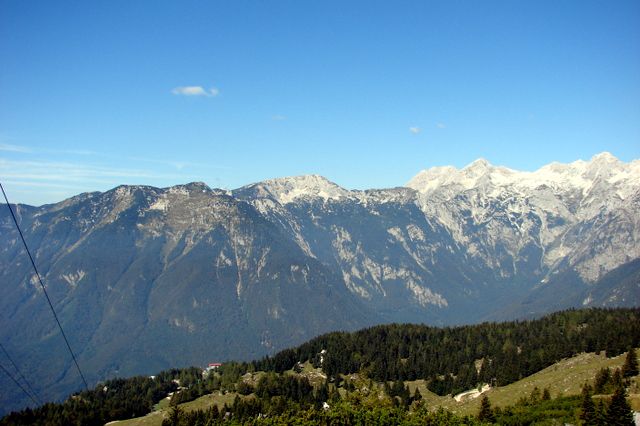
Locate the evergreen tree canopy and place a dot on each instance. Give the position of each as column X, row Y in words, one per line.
column 486, row 412
column 630, row 367
column 587, row 407
column 446, row 356
column 619, row 412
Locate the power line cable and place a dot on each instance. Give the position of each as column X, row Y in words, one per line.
column 18, row 383
column 33, row 263
column 20, row 373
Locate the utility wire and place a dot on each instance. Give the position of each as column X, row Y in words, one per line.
column 20, row 373
column 43, row 288
column 18, row 383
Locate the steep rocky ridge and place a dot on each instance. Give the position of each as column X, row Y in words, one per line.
column 146, row 278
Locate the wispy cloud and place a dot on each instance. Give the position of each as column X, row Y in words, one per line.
column 441, row 125
column 39, row 150
column 279, row 117
column 178, row 164
column 14, row 148
column 42, row 185
column 38, row 182
column 67, row 172
column 41, row 180
column 195, row 91
column 415, row 130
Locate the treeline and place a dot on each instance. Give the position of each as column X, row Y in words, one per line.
column 457, row 358
column 113, row 400
column 342, row 413
column 609, row 408
column 273, row 395
column 450, row 359
column 537, row 408
column 284, row 399
column 617, row 410
column 365, row 406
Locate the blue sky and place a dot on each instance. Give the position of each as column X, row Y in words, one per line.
column 97, row 94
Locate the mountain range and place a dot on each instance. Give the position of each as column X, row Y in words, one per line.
column 145, row 278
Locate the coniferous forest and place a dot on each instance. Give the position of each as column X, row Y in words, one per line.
column 509, row 351
column 451, row 360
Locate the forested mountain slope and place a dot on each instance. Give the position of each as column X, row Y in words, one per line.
column 371, row 365
column 137, row 274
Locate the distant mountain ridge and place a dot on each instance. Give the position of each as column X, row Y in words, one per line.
column 138, row 273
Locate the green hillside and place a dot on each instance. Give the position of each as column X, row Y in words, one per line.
column 401, row 373
column 564, row 378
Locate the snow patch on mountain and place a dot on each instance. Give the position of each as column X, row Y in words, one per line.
column 289, row 189
column 579, row 175
column 552, row 209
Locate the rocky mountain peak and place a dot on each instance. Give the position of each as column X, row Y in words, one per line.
column 286, row 190
column 190, row 187
column 478, row 166
column 172, row 270
column 604, row 157
column 578, row 175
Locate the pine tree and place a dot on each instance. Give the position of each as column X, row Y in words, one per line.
column 588, row 408
column 546, row 395
column 405, row 396
column 174, row 416
column 486, row 413
column 602, row 378
column 398, row 388
column 535, row 395
column 214, row 413
column 322, row 393
column 601, row 414
column 417, row 396
column 630, row 367
column 616, row 379
column 619, row 412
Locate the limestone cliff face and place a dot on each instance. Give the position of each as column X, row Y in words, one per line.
column 146, row 278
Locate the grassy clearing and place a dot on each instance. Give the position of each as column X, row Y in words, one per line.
column 162, row 404
column 207, row 401
column 155, row 418
column 563, row 378
column 315, row 375
column 152, row 419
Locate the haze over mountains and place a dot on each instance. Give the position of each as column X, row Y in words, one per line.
column 146, row 278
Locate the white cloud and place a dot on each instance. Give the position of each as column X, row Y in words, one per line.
column 195, row 91
column 59, row 172
column 46, row 181
column 279, row 117
column 179, row 164
column 43, row 185
column 415, row 130
column 441, row 125
column 14, row 148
